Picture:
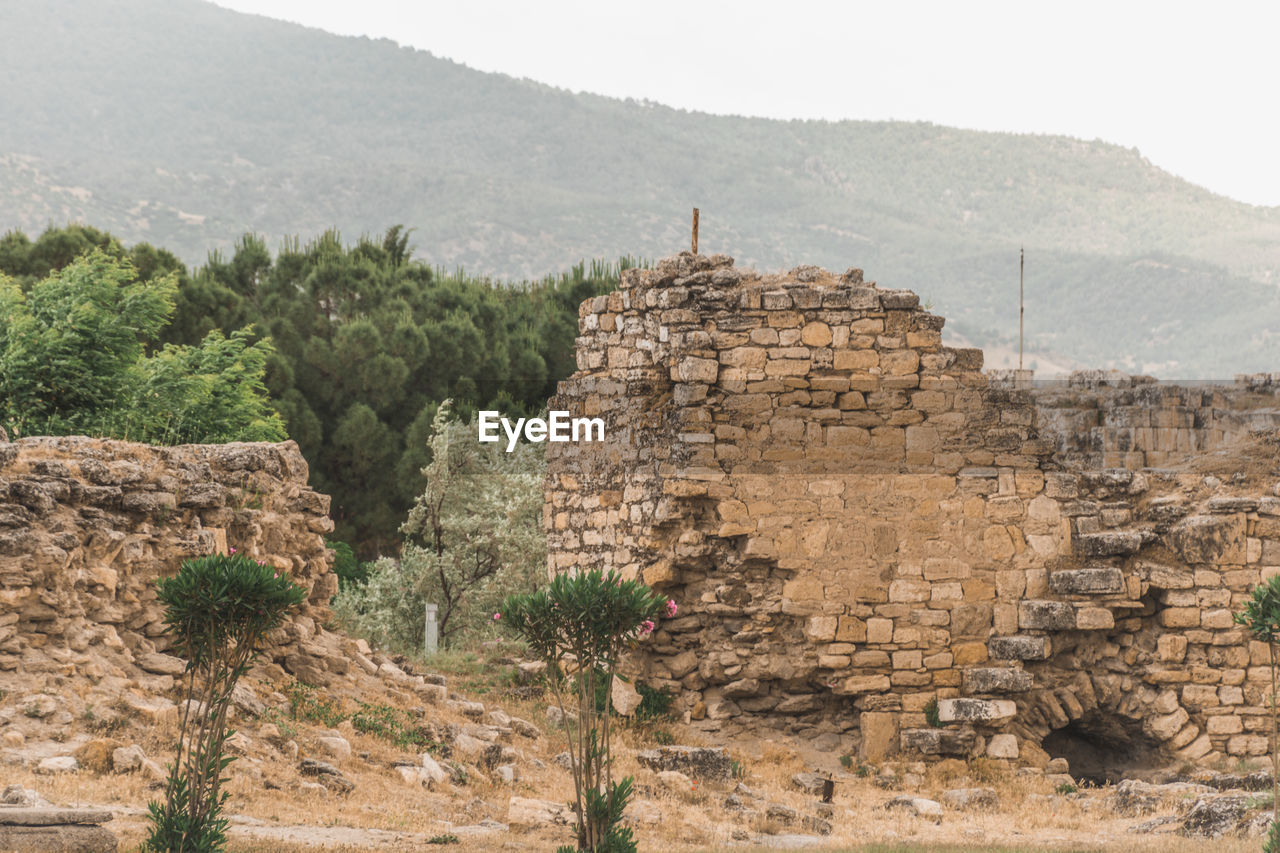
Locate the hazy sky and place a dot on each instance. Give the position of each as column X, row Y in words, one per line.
column 1194, row 87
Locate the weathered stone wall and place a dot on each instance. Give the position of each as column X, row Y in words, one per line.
column 88, row 525
column 1102, row 419
column 860, row 528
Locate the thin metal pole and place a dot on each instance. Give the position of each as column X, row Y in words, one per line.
column 695, row 230
column 1021, row 310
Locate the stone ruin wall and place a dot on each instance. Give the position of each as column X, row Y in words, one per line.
column 88, row 525
column 857, row 523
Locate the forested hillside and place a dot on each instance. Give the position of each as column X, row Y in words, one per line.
column 366, row 345
column 187, row 125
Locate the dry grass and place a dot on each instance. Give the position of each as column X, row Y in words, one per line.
column 272, row 813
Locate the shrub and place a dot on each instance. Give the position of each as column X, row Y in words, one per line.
column 73, row 360
column 473, row 537
column 579, row 625
column 1261, row 618
column 931, row 714
column 217, row 610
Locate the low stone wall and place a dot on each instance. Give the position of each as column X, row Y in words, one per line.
column 866, row 535
column 88, row 525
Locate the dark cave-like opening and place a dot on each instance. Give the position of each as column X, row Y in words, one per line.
column 1105, row 749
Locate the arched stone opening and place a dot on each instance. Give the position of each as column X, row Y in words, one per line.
column 1105, row 748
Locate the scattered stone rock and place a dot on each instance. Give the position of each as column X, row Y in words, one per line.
column 810, row 783
column 712, row 763
column 674, row 780
column 967, row 799
column 1154, row 824
column 39, row 706
column 328, row 775
column 335, row 747
column 58, row 764
column 524, row 728
column 432, row 769
column 918, row 806
column 153, row 710
column 624, row 697
column 529, row 812
column 16, row 795
column 161, row 664
column 246, row 701
column 1211, row 817
column 782, row 814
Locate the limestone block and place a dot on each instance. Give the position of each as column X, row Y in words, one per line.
column 1207, row 539
column 967, row 710
column 879, row 630
column 1094, row 619
column 1109, row 543
column 938, row 741
column 1003, row 746
column 1045, row 615
column 1168, row 725
column 820, row 629
column 858, row 684
column 1224, row 724
column 1089, row 581
column 1019, row 647
column 1172, row 648
column 995, row 680
column 879, row 734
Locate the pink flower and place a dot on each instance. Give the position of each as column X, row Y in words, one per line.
column 231, row 550
column 497, row 616
column 646, row 627
column 671, row 607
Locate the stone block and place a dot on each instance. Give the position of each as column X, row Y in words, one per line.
column 1168, row 725
column 995, row 680
column 1090, row 581
column 879, row 734
column 862, row 684
column 1109, row 543
column 966, row 710
column 1046, row 616
column 938, row 741
column 1172, row 648
column 1019, row 647
column 1003, row 746
column 1094, row 619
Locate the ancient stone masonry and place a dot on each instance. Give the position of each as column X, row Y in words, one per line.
column 867, row 535
column 88, row 525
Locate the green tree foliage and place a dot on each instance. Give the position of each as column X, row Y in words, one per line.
column 368, row 342
column 73, row 359
column 474, row 536
column 365, row 343
column 218, row 609
column 579, row 625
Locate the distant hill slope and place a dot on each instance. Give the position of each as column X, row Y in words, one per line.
column 184, row 124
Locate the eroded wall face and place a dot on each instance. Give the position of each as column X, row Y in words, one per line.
column 88, row 525
column 865, row 535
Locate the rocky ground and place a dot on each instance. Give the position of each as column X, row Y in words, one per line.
column 473, row 754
